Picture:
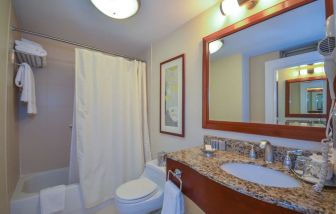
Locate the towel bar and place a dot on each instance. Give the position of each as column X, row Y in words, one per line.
column 177, row 174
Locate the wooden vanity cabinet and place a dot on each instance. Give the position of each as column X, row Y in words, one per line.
column 214, row 198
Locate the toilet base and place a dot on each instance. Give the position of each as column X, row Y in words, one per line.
column 144, row 207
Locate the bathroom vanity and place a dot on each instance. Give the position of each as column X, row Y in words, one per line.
column 216, row 191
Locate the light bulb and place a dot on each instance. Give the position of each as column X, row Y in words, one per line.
column 229, row 7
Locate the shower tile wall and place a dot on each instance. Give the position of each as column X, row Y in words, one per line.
column 45, row 138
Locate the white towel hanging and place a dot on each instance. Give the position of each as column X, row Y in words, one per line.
column 25, row 79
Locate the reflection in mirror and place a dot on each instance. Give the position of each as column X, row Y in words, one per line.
column 304, row 90
column 249, row 70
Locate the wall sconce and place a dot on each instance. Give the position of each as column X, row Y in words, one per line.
column 228, row 7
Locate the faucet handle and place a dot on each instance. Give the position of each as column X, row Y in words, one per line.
column 252, row 154
column 287, row 163
column 263, row 143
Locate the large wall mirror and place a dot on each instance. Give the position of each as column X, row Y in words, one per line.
column 266, row 76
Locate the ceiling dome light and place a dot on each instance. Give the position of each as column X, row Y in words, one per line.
column 229, row 7
column 117, row 9
column 215, row 46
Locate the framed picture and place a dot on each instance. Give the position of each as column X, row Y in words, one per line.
column 172, row 96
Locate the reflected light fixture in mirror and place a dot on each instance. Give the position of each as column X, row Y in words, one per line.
column 117, row 9
column 215, row 46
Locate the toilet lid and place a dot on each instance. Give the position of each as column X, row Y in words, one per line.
column 136, row 189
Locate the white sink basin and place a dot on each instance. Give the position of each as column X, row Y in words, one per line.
column 260, row 175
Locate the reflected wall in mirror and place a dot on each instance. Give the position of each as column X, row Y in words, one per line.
column 249, row 71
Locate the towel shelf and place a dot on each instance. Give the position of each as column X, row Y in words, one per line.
column 32, row 60
column 177, row 174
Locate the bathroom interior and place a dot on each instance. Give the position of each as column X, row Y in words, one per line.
column 123, row 106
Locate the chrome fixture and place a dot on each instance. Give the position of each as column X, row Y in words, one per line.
column 267, row 146
column 249, row 3
column 252, row 154
column 177, row 174
column 287, row 163
column 162, row 158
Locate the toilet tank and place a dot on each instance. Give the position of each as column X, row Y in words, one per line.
column 155, row 173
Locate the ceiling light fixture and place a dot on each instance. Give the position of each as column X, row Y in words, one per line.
column 215, row 46
column 117, row 9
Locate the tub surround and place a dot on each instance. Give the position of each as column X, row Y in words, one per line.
column 302, row 199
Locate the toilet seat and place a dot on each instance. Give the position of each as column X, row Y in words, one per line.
column 136, row 190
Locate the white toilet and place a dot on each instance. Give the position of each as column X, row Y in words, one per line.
column 145, row 194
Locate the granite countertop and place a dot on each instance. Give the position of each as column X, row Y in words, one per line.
column 302, row 199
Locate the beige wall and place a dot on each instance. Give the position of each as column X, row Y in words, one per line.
column 9, row 155
column 45, row 138
column 257, row 86
column 226, row 77
column 188, row 40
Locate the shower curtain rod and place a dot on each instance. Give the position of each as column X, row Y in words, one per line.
column 70, row 42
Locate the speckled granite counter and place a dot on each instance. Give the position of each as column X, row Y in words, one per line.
column 302, row 199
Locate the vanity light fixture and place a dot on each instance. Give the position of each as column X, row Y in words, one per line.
column 117, row 9
column 249, row 3
column 228, row 7
column 215, row 46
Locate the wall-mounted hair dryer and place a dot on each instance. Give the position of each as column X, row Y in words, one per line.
column 326, row 47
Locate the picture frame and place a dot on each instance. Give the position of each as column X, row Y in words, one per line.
column 172, row 92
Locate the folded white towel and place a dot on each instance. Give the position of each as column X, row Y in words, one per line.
column 31, row 49
column 173, row 202
column 25, row 79
column 31, row 42
column 52, row 199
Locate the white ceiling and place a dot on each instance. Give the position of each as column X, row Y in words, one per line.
column 295, row 28
column 80, row 21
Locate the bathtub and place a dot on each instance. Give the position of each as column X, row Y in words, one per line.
column 25, row 199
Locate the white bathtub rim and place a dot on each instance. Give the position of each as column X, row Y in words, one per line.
column 19, row 194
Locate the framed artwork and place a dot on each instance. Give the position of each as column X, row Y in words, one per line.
column 172, row 96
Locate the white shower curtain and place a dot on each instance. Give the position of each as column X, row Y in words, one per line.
column 110, row 130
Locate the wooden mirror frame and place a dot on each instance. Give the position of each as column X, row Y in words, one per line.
column 287, row 98
column 285, row 131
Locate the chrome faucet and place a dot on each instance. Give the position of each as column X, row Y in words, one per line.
column 267, row 146
column 287, row 163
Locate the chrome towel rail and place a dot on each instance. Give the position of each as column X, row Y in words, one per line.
column 177, row 174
